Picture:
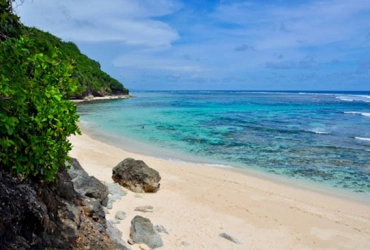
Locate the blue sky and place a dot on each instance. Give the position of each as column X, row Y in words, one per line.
column 243, row 45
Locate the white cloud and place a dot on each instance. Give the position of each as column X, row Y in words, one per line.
column 234, row 41
column 314, row 23
column 152, row 62
column 126, row 21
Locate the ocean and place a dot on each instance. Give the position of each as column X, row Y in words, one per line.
column 319, row 138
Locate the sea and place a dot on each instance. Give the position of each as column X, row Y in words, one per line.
column 313, row 138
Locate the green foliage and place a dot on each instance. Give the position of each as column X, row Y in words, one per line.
column 38, row 75
column 35, row 116
column 86, row 71
column 9, row 23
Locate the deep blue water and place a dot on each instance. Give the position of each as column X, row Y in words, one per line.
column 323, row 137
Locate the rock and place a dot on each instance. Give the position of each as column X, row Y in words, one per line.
column 230, row 238
column 111, row 199
column 75, row 169
column 38, row 215
column 116, row 237
column 136, row 176
column 116, row 189
column 87, row 185
column 120, row 215
column 142, row 231
column 145, row 209
column 93, row 209
column 161, row 229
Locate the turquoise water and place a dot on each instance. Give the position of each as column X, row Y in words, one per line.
column 317, row 137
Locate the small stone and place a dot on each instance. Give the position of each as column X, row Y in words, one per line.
column 114, row 222
column 130, row 241
column 120, row 215
column 161, row 229
column 145, row 209
column 115, row 188
column 142, row 231
column 230, row 238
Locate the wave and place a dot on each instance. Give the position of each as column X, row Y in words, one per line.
column 354, row 98
column 358, row 113
column 318, row 131
column 362, row 138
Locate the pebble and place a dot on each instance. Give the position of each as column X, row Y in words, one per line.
column 145, row 209
column 120, row 215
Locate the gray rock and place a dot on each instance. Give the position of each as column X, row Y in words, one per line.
column 75, row 169
column 116, row 189
column 230, row 238
column 142, row 231
column 120, row 215
column 37, row 215
column 161, row 229
column 116, row 237
column 136, row 176
column 86, row 185
column 145, row 209
column 111, row 199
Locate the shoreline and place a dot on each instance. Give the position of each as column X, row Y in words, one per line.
column 135, row 147
column 104, row 98
column 196, row 203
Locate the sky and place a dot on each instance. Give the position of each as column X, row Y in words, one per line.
column 217, row 45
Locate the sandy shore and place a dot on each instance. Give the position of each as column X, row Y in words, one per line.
column 104, row 98
column 197, row 203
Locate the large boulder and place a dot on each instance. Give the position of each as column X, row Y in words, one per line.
column 142, row 231
column 136, row 176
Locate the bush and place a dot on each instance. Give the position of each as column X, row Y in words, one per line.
column 35, row 115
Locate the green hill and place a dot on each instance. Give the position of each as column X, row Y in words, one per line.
column 87, row 72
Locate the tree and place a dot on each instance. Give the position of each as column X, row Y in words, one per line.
column 36, row 116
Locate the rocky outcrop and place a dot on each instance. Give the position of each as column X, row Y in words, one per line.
column 136, row 176
column 37, row 215
column 87, row 185
column 142, row 231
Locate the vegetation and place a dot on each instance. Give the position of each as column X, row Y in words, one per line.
column 38, row 75
column 86, row 71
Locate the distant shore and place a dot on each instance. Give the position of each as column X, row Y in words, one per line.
column 197, row 203
column 108, row 97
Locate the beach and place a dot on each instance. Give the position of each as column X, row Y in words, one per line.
column 196, row 203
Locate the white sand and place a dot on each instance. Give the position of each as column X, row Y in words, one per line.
column 104, row 98
column 197, row 203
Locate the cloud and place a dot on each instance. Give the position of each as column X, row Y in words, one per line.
column 185, row 42
column 130, row 22
column 313, row 23
column 157, row 63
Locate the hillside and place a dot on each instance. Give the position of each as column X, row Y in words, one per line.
column 91, row 79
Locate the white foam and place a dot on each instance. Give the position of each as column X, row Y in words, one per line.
column 354, row 98
column 358, row 113
column 319, row 131
column 362, row 138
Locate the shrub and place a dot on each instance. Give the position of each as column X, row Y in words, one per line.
column 35, row 115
